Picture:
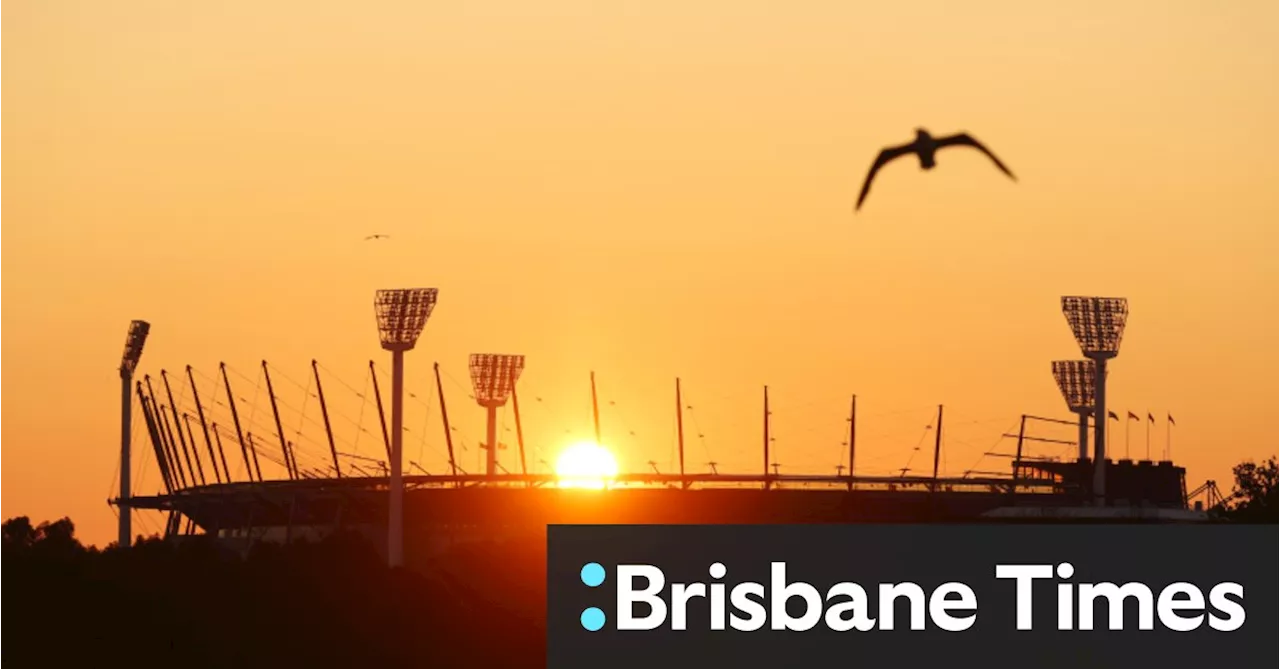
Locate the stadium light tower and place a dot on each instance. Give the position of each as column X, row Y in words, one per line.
column 401, row 314
column 1076, row 381
column 1098, row 324
column 133, row 344
column 493, row 376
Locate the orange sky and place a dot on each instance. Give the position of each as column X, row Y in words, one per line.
column 646, row 189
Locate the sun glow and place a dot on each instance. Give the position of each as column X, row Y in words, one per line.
column 586, row 465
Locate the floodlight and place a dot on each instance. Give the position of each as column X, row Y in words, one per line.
column 133, row 343
column 493, row 377
column 402, row 314
column 1098, row 323
column 1076, row 379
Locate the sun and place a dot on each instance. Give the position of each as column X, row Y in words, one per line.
column 586, row 465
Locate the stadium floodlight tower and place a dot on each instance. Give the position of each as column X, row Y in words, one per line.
column 1076, row 381
column 1098, row 324
column 133, row 343
column 402, row 314
column 493, row 377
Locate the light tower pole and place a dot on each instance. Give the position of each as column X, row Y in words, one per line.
column 493, row 376
column 401, row 315
column 137, row 337
column 1076, row 379
column 1098, row 325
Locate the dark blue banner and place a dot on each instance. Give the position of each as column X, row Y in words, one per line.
column 990, row 596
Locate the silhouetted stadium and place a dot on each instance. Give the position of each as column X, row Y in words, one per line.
column 200, row 497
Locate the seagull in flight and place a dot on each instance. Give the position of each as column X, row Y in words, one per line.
column 925, row 146
column 377, row 237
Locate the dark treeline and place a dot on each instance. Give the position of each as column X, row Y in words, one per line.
column 332, row 603
column 1253, row 494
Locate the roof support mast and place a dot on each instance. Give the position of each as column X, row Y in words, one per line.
column 197, row 474
column 191, row 437
column 235, row 418
column 853, row 436
column 253, row 450
column 289, row 464
column 444, row 416
column 324, row 411
column 680, row 433
column 204, row 426
column 937, row 448
column 595, row 408
column 188, row 476
column 161, row 461
column 766, row 437
column 515, row 407
column 382, row 414
column 154, row 410
column 166, row 436
column 217, row 439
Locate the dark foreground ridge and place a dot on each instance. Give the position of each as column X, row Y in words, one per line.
column 191, row 601
column 331, row 603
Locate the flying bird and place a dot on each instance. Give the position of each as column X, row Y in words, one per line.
column 377, row 237
column 925, row 146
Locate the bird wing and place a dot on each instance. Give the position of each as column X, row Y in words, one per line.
column 885, row 156
column 965, row 139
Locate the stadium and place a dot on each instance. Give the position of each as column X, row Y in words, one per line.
column 318, row 495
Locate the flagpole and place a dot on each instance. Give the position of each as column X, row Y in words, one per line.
column 1127, row 422
column 1168, row 438
column 1149, row 421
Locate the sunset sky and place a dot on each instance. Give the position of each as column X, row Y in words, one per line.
column 646, row 190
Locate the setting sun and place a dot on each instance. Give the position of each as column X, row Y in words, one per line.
column 586, row 465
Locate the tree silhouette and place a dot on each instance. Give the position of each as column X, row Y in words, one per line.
column 1253, row 499
column 195, row 602
column 18, row 534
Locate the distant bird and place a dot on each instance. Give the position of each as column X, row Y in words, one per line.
column 377, row 237
column 925, row 146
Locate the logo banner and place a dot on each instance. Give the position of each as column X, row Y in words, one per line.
column 743, row 596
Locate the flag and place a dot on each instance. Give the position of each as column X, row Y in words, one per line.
column 1150, row 417
column 1112, row 415
column 1171, row 420
column 1133, row 416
